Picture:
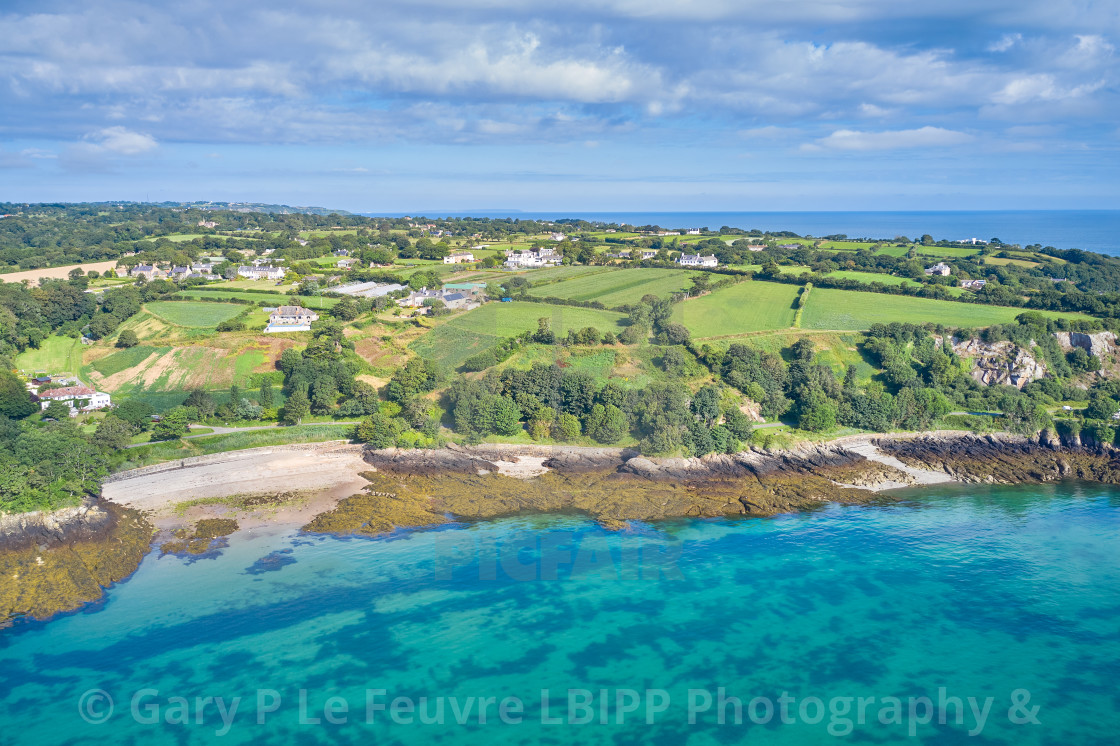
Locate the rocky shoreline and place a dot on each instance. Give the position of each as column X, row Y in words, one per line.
column 54, row 562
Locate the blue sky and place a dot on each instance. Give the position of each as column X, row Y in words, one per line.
column 608, row 105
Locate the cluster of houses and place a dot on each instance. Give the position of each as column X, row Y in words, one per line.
column 79, row 397
column 973, row 284
column 543, row 257
column 202, row 271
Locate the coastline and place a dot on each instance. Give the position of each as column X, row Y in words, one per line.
column 57, row 562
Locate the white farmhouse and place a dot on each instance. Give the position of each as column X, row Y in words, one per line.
column 261, row 273
column 695, row 260
column 80, row 398
column 941, row 268
column 291, row 319
column 459, row 257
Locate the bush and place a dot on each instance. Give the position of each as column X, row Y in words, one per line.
column 566, row 428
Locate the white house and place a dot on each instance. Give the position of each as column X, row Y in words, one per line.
column 291, row 319
column 694, row 231
column 261, row 273
column 458, row 257
column 695, row 260
column 80, row 398
column 973, row 284
column 649, row 254
column 557, row 236
column 941, row 268
column 534, row 258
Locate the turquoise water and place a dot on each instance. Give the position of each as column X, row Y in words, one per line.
column 984, row 592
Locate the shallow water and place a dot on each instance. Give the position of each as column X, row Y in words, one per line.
column 996, row 592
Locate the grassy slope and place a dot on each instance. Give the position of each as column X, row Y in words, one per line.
column 618, row 287
column 742, row 308
column 194, row 313
column 845, row 309
column 55, row 355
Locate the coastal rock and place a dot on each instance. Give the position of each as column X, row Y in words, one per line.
column 85, row 522
column 76, row 562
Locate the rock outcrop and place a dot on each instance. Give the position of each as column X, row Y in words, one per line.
column 58, row 561
column 1000, row 363
column 1097, row 344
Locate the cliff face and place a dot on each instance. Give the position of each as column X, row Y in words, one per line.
column 1097, row 344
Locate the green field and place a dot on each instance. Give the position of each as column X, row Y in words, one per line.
column 194, row 313
column 275, row 299
column 54, row 355
column 739, row 309
column 869, row 277
column 853, row 310
column 618, row 287
column 893, row 250
column 451, row 343
column 1002, row 262
column 952, row 252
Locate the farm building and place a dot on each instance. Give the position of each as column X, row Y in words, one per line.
column 367, row 289
column 973, row 284
column 147, row 271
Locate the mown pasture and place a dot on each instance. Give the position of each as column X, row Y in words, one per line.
column 745, row 307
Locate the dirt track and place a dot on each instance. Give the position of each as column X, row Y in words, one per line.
column 60, row 273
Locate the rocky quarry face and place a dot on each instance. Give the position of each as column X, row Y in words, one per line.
column 1000, row 363
column 1097, row 344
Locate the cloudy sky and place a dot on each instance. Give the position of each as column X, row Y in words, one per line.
column 387, row 106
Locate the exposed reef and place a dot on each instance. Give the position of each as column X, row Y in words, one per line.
column 416, row 488
column 422, row 488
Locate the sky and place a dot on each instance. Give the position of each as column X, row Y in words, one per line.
column 641, row 105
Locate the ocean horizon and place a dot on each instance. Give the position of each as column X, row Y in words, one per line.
column 1089, row 230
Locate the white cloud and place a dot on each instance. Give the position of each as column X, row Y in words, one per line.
column 120, row 141
column 1042, row 87
column 924, row 137
column 1005, row 42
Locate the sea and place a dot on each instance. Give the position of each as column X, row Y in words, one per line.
column 955, row 615
column 1089, row 230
